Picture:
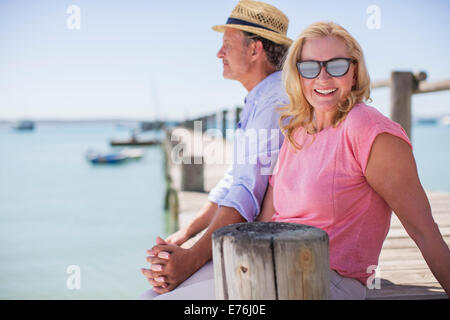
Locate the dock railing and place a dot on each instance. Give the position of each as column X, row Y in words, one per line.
column 403, row 85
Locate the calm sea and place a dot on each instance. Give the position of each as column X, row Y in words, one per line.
column 57, row 210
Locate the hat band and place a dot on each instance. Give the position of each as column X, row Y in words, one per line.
column 246, row 23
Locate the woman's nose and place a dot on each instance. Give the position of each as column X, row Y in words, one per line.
column 323, row 75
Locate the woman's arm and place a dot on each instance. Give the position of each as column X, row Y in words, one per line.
column 268, row 210
column 391, row 171
column 200, row 222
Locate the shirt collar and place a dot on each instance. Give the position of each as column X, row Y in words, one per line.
column 261, row 85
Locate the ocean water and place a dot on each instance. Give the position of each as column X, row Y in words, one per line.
column 431, row 148
column 57, row 210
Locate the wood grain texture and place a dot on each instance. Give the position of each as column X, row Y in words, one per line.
column 271, row 261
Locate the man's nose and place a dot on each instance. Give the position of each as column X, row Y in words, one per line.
column 221, row 53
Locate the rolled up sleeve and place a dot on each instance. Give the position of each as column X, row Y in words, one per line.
column 222, row 188
column 259, row 143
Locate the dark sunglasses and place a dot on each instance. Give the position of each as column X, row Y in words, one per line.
column 336, row 67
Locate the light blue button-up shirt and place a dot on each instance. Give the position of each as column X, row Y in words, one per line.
column 257, row 142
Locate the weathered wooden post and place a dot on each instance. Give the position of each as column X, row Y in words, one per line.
column 271, row 261
column 402, row 86
column 192, row 173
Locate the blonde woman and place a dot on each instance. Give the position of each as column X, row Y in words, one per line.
column 343, row 166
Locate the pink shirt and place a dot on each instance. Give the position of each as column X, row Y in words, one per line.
column 324, row 185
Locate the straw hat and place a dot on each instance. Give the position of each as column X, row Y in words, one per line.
column 259, row 18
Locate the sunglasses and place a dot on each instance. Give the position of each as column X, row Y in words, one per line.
column 336, row 67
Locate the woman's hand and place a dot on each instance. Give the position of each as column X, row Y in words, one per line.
column 170, row 266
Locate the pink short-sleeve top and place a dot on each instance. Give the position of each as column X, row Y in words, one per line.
column 324, row 185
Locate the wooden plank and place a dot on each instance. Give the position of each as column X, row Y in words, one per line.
column 425, row 87
column 400, row 254
column 412, row 291
column 443, row 219
column 395, row 233
column 407, row 276
column 404, row 242
column 410, row 264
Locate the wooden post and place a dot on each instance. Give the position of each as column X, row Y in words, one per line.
column 212, row 123
column 224, row 124
column 402, row 86
column 271, row 261
column 192, row 173
column 238, row 111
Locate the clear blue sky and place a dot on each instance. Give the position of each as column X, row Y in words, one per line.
column 141, row 59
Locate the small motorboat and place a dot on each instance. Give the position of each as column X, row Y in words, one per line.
column 106, row 158
column 24, row 125
column 114, row 156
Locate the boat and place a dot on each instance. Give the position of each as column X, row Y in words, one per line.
column 24, row 125
column 133, row 141
column 426, row 121
column 114, row 156
column 106, row 158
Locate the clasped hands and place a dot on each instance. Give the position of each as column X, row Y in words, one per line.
column 170, row 266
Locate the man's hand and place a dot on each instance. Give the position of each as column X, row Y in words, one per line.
column 153, row 279
column 170, row 266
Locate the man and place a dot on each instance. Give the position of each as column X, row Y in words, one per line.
column 254, row 45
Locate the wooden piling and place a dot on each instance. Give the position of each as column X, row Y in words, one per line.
column 271, row 261
column 224, row 124
column 192, row 173
column 402, row 87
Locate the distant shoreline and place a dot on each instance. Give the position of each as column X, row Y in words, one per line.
column 81, row 121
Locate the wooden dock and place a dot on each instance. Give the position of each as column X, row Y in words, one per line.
column 402, row 272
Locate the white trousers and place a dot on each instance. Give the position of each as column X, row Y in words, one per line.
column 200, row 286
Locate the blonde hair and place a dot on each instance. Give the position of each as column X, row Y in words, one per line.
column 299, row 112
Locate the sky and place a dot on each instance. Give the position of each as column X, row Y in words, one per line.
column 147, row 59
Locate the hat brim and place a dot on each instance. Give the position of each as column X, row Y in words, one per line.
column 270, row 35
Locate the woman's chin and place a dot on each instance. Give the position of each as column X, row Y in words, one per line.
column 325, row 106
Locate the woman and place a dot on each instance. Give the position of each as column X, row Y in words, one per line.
column 344, row 166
